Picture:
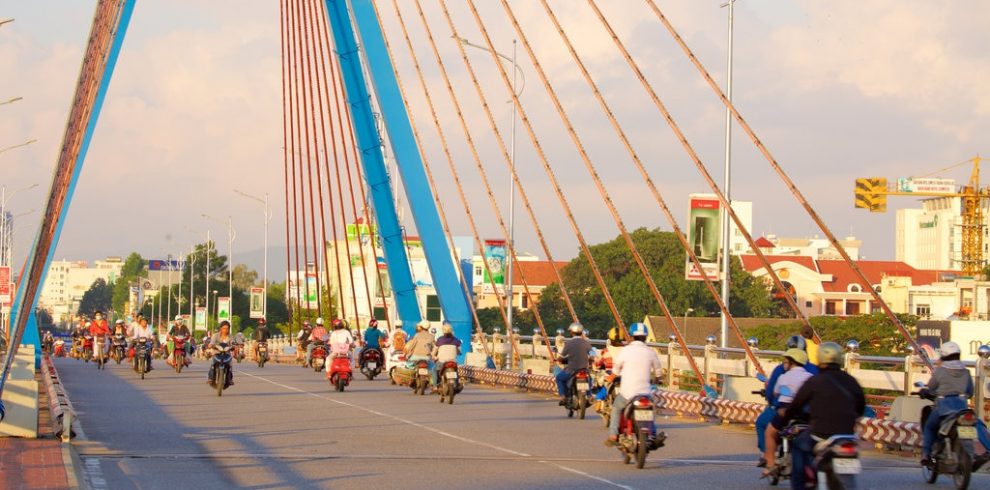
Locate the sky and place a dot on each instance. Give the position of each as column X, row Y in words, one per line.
column 836, row 90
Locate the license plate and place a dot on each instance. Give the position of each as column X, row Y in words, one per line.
column 582, row 386
column 424, row 371
column 451, row 374
column 643, row 415
column 372, row 365
column 966, row 432
column 847, row 466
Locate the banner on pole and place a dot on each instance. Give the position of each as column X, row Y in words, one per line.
column 704, row 234
column 257, row 302
column 311, row 293
column 495, row 258
column 6, row 286
column 200, row 323
column 223, row 309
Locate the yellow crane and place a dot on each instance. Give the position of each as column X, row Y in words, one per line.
column 871, row 193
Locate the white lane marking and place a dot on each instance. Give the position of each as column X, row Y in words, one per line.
column 93, row 474
column 437, row 431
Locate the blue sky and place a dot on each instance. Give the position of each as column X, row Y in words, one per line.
column 837, row 90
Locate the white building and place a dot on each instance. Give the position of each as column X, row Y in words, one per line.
column 67, row 281
column 815, row 247
column 931, row 237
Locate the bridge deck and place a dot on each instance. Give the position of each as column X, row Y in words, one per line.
column 282, row 427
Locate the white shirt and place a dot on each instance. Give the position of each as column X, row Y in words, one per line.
column 137, row 331
column 342, row 336
column 792, row 380
column 636, row 364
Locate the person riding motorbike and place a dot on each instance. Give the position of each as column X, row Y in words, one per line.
column 222, row 336
column 180, row 329
column 574, row 357
column 319, row 333
column 787, row 385
column 302, row 341
column 951, row 385
column 420, row 347
column 99, row 329
column 142, row 330
column 261, row 334
column 808, row 334
column 77, row 336
column 119, row 327
column 763, row 421
column 399, row 338
column 340, row 340
column 373, row 338
column 446, row 348
column 832, row 400
column 637, row 364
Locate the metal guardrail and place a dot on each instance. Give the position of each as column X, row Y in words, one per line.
column 62, row 413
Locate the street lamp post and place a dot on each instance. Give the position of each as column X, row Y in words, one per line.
column 192, row 302
column 727, row 187
column 216, row 304
column 512, row 166
column 230, row 258
column 268, row 219
column 689, row 310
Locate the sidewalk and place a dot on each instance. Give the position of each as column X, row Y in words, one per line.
column 34, row 463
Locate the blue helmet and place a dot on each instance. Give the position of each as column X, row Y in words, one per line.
column 638, row 330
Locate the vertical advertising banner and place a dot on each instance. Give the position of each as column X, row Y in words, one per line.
column 5, row 285
column 257, row 303
column 310, row 294
column 704, row 233
column 223, row 309
column 494, row 252
column 200, row 323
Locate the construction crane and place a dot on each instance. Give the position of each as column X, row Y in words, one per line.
column 871, row 193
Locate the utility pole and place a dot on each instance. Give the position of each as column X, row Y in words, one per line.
column 727, row 190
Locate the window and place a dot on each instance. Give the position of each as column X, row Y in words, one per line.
column 379, row 313
column 875, row 307
column 852, row 307
column 923, row 311
column 433, row 308
column 808, row 304
column 854, row 288
column 478, row 270
column 830, row 306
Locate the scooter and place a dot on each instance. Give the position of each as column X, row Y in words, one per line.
column 339, row 372
column 238, row 352
column 142, row 355
column 371, row 363
column 783, row 460
column 118, row 347
column 638, row 432
column 319, row 357
column 262, row 354
column 577, row 393
column 220, row 370
column 59, row 348
column 101, row 359
column 450, row 383
column 952, row 453
column 396, row 360
column 421, row 379
column 87, row 347
column 179, row 352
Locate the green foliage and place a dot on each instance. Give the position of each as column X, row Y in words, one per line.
column 134, row 267
column 664, row 258
column 97, row 298
column 244, row 277
column 876, row 334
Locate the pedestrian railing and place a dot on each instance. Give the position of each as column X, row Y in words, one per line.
column 62, row 413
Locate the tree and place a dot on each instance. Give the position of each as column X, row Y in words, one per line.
column 98, row 297
column 244, row 277
column 664, row 258
column 133, row 268
column 876, row 335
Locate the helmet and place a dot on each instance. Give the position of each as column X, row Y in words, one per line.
column 576, row 328
column 305, row 323
column 830, row 353
column 119, row 322
column 638, row 330
column 797, row 355
column 319, row 321
column 262, row 321
column 797, row 342
column 948, row 349
column 448, row 329
column 423, row 325
column 178, row 318
column 373, row 323
column 337, row 323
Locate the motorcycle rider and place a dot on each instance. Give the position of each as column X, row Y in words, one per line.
column 372, row 339
column 574, row 357
column 637, row 364
column 99, row 329
column 48, row 342
column 222, row 336
column 951, row 385
column 319, row 333
column 420, row 347
column 302, row 341
column 142, row 330
column 261, row 334
column 340, row 340
column 180, row 329
column 447, row 348
column 763, row 421
column 787, row 385
column 832, row 400
column 77, row 335
column 239, row 342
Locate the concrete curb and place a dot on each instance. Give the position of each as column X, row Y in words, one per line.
column 73, row 468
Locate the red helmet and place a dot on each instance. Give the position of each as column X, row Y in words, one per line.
column 373, row 323
column 261, row 321
column 337, row 323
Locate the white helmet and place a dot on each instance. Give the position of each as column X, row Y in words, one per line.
column 319, row 321
column 178, row 318
column 576, row 328
column 948, row 349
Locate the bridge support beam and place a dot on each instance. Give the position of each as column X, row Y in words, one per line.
column 411, row 169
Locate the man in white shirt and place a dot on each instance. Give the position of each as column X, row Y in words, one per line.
column 141, row 330
column 637, row 364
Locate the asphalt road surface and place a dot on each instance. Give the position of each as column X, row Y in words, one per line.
column 283, row 427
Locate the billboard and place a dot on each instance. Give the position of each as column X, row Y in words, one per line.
column 223, row 308
column 166, row 265
column 494, row 253
column 310, row 293
column 927, row 186
column 257, row 303
column 704, row 235
column 200, row 323
column 6, row 285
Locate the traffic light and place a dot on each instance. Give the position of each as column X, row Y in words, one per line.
column 871, row 194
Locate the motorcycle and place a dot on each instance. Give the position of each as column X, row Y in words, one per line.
column 339, row 372
column 220, row 370
column 319, row 357
column 101, row 359
column 179, row 352
column 783, row 463
column 118, row 347
column 605, row 391
column 87, row 347
column 396, row 360
column 637, row 431
column 421, row 380
column 371, row 363
column 142, row 355
column 450, row 383
column 577, row 393
column 59, row 348
column 952, row 453
column 238, row 352
column 262, row 354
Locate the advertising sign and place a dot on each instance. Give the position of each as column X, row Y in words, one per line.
column 927, row 186
column 200, row 323
column 257, row 303
column 166, row 265
column 223, row 309
column 6, row 286
column 358, row 230
column 704, row 232
column 310, row 301
column 495, row 258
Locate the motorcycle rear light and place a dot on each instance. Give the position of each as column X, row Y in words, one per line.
column 846, row 449
column 450, row 365
column 642, row 403
column 968, row 418
column 581, row 375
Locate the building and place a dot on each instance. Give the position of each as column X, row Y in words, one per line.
column 67, row 281
column 538, row 274
column 931, row 237
column 815, row 247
